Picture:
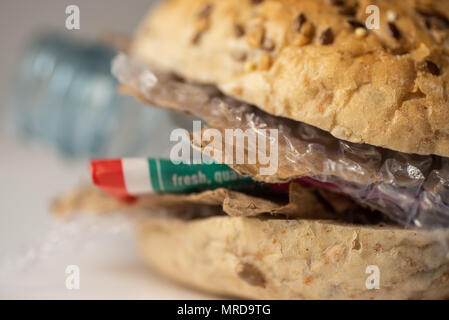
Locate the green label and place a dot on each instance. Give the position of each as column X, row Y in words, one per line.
column 167, row 177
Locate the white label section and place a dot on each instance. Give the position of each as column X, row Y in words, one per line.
column 137, row 176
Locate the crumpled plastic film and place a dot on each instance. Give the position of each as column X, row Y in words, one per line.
column 62, row 239
column 410, row 189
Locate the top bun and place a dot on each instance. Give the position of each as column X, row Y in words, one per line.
column 314, row 61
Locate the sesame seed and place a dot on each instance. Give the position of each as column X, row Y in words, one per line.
column 391, row 15
column 239, row 30
column 299, row 21
column 337, row 3
column 394, row 31
column 360, row 32
column 327, row 37
column 356, row 24
column 433, row 68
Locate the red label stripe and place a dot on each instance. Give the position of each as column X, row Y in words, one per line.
column 108, row 176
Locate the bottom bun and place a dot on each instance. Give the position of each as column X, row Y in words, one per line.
column 298, row 259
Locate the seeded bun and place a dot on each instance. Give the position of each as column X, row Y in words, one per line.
column 314, row 61
column 296, row 259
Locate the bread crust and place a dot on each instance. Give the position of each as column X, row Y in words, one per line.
column 296, row 259
column 374, row 86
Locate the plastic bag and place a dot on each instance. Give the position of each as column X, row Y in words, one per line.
column 409, row 189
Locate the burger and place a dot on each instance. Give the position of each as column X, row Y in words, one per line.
column 351, row 96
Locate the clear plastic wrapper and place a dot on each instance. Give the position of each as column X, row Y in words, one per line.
column 62, row 238
column 409, row 189
column 97, row 244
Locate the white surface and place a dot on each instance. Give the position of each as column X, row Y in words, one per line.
column 35, row 249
